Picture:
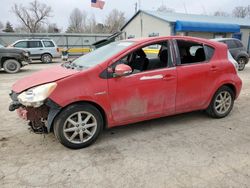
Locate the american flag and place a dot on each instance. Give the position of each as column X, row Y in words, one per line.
column 97, row 4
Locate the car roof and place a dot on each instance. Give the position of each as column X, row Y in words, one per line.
column 152, row 39
column 40, row 39
column 224, row 39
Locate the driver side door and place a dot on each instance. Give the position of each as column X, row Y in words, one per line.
column 143, row 95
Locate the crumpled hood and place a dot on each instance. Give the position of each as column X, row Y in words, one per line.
column 42, row 77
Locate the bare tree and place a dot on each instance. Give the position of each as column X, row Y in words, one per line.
column 33, row 16
column 91, row 26
column 241, row 12
column 221, row 13
column 114, row 21
column 164, row 8
column 77, row 21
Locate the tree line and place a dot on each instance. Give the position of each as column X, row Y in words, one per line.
column 34, row 18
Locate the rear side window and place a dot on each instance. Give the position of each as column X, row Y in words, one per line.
column 238, row 43
column 21, row 44
column 191, row 52
column 35, row 44
column 48, row 44
column 231, row 44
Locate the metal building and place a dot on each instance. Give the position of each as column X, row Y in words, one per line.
column 154, row 23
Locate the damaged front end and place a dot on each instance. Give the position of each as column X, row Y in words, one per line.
column 39, row 114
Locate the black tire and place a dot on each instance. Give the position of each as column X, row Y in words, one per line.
column 242, row 61
column 62, row 124
column 11, row 66
column 213, row 109
column 46, row 58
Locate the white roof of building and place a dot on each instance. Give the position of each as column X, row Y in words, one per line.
column 173, row 17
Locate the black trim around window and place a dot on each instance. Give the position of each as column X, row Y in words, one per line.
column 107, row 74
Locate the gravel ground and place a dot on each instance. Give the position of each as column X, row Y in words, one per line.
column 188, row 150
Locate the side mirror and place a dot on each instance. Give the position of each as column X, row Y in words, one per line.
column 122, row 70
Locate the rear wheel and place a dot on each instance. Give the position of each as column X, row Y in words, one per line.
column 242, row 63
column 78, row 126
column 46, row 58
column 222, row 103
column 11, row 66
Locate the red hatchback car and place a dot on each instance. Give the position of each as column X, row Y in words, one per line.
column 123, row 83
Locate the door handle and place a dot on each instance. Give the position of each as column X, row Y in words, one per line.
column 168, row 77
column 155, row 77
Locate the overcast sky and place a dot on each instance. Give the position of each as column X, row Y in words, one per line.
column 63, row 8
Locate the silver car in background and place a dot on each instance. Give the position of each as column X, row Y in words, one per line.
column 39, row 49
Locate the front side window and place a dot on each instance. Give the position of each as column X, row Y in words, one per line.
column 150, row 57
column 22, row 44
column 190, row 52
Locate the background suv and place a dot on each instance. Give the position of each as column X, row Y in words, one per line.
column 39, row 49
column 237, row 50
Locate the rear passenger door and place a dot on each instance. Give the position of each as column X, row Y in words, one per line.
column 193, row 72
column 36, row 49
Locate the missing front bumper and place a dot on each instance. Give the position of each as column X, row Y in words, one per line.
column 40, row 119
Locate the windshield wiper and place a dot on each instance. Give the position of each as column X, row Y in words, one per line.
column 71, row 65
column 67, row 64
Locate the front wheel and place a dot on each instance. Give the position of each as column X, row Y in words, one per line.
column 78, row 126
column 242, row 63
column 222, row 103
column 11, row 66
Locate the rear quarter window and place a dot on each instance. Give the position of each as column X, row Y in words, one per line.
column 48, row 44
column 209, row 52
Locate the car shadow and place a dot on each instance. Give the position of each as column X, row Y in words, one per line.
column 158, row 124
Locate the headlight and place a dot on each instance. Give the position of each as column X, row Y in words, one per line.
column 26, row 54
column 35, row 97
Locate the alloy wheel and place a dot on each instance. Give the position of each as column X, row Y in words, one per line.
column 223, row 102
column 80, row 127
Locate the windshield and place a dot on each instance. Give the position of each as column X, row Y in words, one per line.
column 101, row 54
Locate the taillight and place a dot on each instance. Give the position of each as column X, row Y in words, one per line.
column 57, row 49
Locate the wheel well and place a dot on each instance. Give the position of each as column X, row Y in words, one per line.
column 232, row 87
column 242, row 56
column 47, row 53
column 84, row 102
column 7, row 58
